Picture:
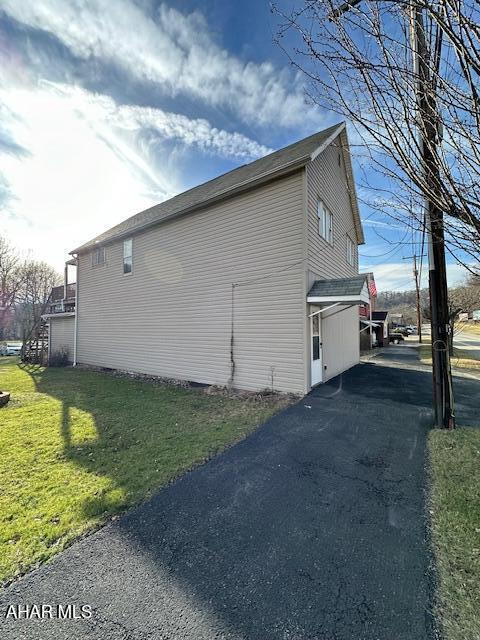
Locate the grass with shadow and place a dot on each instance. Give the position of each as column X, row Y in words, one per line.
column 461, row 358
column 455, row 512
column 473, row 328
column 78, row 446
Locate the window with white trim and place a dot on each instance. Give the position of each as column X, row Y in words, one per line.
column 350, row 251
column 127, row 255
column 98, row 256
column 325, row 222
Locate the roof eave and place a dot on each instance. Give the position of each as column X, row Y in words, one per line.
column 328, row 141
column 359, row 298
column 290, row 167
column 352, row 191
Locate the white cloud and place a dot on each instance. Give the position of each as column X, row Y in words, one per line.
column 174, row 51
column 170, row 126
column 86, row 168
column 382, row 225
column 398, row 276
column 72, row 184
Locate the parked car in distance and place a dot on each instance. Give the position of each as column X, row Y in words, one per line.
column 401, row 329
column 396, row 337
column 10, row 349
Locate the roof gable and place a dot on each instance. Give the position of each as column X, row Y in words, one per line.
column 246, row 176
column 352, row 191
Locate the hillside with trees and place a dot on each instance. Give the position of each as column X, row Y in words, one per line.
column 25, row 286
column 464, row 298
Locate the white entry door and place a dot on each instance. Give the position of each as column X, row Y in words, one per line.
column 316, row 346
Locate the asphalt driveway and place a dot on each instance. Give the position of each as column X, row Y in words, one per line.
column 312, row 528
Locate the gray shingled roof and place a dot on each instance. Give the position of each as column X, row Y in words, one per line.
column 295, row 155
column 339, row 287
column 379, row 315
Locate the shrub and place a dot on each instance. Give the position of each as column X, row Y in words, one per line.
column 60, row 358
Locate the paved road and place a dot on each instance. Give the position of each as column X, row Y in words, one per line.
column 466, row 384
column 312, row 528
column 469, row 342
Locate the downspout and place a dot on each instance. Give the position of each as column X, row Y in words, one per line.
column 65, row 282
column 75, row 331
column 49, row 342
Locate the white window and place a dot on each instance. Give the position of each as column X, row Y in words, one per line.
column 127, row 256
column 325, row 222
column 350, row 251
column 98, row 256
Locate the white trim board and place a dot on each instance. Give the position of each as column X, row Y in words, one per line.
column 358, row 299
column 66, row 314
column 341, row 127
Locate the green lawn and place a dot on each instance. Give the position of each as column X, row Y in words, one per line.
column 455, row 507
column 472, row 328
column 78, row 446
column 461, row 357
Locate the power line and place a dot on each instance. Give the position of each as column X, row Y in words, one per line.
column 426, row 122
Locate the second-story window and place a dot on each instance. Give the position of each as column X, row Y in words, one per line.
column 350, row 251
column 325, row 222
column 98, row 256
column 127, row 256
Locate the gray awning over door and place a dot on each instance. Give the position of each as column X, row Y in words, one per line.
column 349, row 291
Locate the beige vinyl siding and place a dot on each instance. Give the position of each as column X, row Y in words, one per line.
column 328, row 181
column 62, row 335
column 341, row 340
column 172, row 315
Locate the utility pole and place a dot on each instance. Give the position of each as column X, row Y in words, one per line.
column 428, row 140
column 417, row 289
column 417, row 295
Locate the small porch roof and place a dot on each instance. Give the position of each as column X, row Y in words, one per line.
column 353, row 290
column 380, row 316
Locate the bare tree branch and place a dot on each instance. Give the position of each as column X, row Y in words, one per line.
column 358, row 63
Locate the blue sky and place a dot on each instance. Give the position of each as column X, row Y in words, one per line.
column 109, row 107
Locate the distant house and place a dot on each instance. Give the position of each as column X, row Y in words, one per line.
column 250, row 279
column 381, row 320
column 396, row 319
column 60, row 315
column 366, row 311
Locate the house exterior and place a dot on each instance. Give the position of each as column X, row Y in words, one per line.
column 381, row 320
column 396, row 319
column 368, row 325
column 62, row 299
column 222, row 284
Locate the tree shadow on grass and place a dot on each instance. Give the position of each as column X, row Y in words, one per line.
column 134, row 433
column 57, row 384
